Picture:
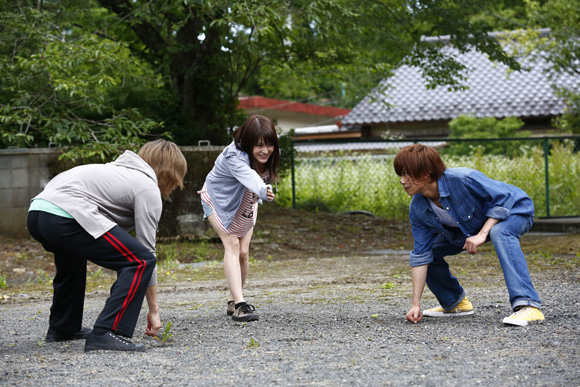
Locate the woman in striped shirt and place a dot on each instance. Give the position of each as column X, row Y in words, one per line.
column 238, row 182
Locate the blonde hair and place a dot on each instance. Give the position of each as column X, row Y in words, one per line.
column 166, row 160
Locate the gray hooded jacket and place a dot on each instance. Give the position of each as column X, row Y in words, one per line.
column 100, row 196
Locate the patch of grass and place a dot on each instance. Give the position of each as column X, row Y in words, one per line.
column 254, row 344
column 546, row 254
column 43, row 277
column 167, row 265
column 96, row 274
column 98, row 278
column 554, row 244
column 187, row 251
column 22, row 257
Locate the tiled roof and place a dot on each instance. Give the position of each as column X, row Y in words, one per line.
column 493, row 91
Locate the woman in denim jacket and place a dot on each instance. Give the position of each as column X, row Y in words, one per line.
column 459, row 209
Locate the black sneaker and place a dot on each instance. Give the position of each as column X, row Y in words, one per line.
column 111, row 342
column 52, row 335
column 245, row 312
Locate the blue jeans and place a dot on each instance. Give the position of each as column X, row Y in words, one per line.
column 207, row 211
column 505, row 237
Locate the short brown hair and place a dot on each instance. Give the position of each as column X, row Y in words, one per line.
column 248, row 135
column 166, row 160
column 417, row 160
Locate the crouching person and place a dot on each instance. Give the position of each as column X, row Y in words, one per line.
column 459, row 209
column 84, row 214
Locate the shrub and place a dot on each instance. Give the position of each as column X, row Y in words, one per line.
column 468, row 127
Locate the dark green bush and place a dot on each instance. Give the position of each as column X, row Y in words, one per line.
column 469, row 127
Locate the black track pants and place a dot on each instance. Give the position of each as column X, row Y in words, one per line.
column 73, row 247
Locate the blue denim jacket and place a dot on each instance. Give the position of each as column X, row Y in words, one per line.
column 470, row 198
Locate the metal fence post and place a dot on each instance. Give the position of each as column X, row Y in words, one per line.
column 293, row 178
column 547, row 176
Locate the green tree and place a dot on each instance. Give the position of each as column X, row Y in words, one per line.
column 61, row 87
column 504, row 15
column 385, row 34
column 469, row 127
column 129, row 64
column 560, row 47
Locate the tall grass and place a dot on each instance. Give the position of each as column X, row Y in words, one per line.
column 350, row 181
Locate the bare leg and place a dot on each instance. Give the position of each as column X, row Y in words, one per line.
column 245, row 255
column 232, row 267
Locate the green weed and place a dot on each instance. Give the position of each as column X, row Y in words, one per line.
column 547, row 254
column 387, row 285
column 97, row 274
column 43, row 277
column 165, row 335
column 22, row 257
column 254, row 344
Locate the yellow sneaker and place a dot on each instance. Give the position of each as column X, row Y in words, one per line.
column 524, row 315
column 463, row 309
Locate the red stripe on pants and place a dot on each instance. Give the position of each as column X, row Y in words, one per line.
column 136, row 278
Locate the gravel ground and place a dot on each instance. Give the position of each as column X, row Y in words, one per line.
column 324, row 321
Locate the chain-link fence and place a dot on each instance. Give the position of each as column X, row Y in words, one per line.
column 343, row 176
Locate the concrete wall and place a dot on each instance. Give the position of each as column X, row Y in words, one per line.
column 25, row 172
column 182, row 211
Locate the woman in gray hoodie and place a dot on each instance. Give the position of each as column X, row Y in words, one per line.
column 238, row 182
column 86, row 213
